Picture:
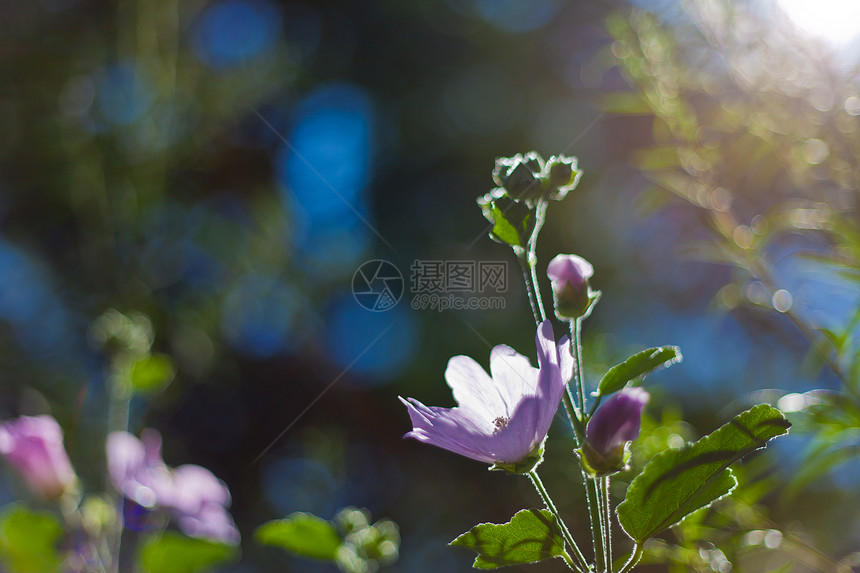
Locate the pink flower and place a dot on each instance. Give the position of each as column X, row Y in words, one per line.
column 571, row 292
column 615, row 424
column 190, row 493
column 34, row 447
column 500, row 419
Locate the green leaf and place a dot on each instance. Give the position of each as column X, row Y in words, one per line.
column 511, row 220
column 531, row 535
column 28, row 540
column 151, row 373
column 636, row 366
column 503, row 230
column 303, row 534
column 175, row 553
column 675, row 483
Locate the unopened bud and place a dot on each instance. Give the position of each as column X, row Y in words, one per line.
column 571, row 291
column 610, row 431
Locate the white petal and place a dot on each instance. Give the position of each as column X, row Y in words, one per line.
column 473, row 389
column 513, row 375
column 565, row 360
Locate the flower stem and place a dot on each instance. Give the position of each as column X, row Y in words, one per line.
column 595, row 518
column 540, row 218
column 607, row 516
column 576, row 350
column 596, row 508
column 524, row 265
column 635, row 556
column 582, row 565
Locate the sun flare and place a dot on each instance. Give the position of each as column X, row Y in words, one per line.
column 836, row 21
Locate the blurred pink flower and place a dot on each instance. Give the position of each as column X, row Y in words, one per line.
column 33, row 445
column 503, row 418
column 190, row 493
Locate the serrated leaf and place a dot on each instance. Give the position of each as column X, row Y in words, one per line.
column 503, row 230
column 28, row 540
column 151, row 373
column 638, row 365
column 511, row 220
column 676, row 483
column 531, row 535
column 175, row 553
column 303, row 534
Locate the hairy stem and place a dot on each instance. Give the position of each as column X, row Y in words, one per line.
column 524, row 265
column 607, row 516
column 576, row 350
column 582, row 564
column 540, row 218
column 635, row 556
column 596, row 508
column 595, row 518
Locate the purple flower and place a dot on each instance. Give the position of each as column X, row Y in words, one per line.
column 191, row 494
column 613, row 426
column 571, row 292
column 34, row 447
column 500, row 419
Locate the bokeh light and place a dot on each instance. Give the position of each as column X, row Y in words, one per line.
column 123, row 93
column 350, row 330
column 836, row 21
column 30, row 304
column 262, row 316
column 232, row 32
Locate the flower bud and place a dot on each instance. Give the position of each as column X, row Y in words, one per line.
column 571, row 292
column 610, row 431
column 563, row 175
column 521, row 176
column 34, row 447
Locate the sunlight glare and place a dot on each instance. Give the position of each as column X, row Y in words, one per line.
column 837, row 21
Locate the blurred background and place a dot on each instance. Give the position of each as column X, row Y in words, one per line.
column 225, row 167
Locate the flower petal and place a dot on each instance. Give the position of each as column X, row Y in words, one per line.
column 550, row 382
column 513, row 376
column 448, row 429
column 473, row 388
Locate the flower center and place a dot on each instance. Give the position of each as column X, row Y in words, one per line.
column 501, row 423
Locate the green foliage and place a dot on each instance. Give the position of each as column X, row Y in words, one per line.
column 175, row 553
column 303, row 534
column 350, row 541
column 28, row 540
column 676, row 483
column 151, row 373
column 531, row 535
column 511, row 220
column 637, row 366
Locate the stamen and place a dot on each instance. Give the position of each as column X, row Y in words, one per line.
column 501, row 423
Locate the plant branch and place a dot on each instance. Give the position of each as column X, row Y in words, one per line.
column 582, row 565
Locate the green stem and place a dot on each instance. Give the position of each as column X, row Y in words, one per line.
column 576, row 349
column 607, row 516
column 540, row 218
column 595, row 518
column 575, row 417
column 596, row 509
column 582, row 565
column 524, row 265
column 634, row 559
